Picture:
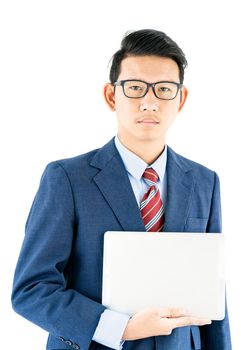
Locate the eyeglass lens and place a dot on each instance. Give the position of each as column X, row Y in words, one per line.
column 163, row 90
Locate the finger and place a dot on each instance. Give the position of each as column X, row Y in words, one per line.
column 188, row 321
column 172, row 312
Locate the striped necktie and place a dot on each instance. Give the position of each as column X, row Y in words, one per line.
column 152, row 210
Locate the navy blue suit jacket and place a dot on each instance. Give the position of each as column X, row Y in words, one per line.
column 58, row 278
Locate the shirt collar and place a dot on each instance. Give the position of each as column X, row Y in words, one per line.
column 136, row 166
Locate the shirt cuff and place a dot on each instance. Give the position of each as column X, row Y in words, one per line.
column 110, row 329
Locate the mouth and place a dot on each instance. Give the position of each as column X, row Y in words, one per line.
column 148, row 121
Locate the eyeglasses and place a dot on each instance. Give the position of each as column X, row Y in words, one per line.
column 165, row 90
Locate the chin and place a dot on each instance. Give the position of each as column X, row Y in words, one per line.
column 150, row 136
column 149, row 139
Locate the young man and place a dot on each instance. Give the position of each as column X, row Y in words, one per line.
column 134, row 183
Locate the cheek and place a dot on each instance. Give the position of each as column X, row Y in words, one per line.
column 168, row 115
column 171, row 110
column 124, row 107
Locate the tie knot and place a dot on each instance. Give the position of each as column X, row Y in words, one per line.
column 150, row 176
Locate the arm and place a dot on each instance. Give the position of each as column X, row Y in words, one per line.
column 39, row 290
column 217, row 335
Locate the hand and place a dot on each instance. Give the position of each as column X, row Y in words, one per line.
column 159, row 321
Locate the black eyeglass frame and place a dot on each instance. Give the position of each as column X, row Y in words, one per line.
column 152, row 85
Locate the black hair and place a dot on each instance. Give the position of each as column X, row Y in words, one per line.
column 146, row 42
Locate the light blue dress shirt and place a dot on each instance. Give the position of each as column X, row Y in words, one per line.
column 112, row 324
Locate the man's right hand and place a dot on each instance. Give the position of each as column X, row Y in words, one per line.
column 159, row 321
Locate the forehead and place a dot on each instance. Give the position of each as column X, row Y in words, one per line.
column 149, row 68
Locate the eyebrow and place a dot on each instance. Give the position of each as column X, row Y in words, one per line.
column 157, row 81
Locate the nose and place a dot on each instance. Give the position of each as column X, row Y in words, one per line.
column 149, row 102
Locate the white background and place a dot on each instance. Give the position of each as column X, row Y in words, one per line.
column 53, row 64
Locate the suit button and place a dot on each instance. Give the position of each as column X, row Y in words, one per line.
column 68, row 342
column 75, row 346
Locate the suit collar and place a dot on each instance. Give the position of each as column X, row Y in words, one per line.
column 180, row 185
column 104, row 155
column 136, row 166
column 108, row 151
column 113, row 182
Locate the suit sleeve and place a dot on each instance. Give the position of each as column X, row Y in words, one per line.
column 217, row 335
column 39, row 288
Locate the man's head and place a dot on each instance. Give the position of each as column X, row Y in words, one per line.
column 145, row 110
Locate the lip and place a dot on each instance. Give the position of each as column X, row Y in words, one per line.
column 148, row 121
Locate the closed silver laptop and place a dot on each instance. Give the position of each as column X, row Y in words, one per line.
column 144, row 269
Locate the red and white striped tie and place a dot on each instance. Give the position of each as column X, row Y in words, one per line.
column 152, row 210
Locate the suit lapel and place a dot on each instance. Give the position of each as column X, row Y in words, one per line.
column 113, row 182
column 180, row 186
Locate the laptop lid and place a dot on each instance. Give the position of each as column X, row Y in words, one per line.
column 142, row 270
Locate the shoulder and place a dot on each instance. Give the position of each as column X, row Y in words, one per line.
column 71, row 167
column 84, row 165
column 200, row 172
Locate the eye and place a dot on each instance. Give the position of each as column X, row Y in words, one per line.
column 164, row 89
column 135, row 88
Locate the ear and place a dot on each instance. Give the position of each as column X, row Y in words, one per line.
column 109, row 95
column 183, row 94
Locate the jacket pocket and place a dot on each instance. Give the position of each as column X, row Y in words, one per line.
column 196, row 225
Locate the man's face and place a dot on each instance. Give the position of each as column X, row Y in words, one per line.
column 148, row 118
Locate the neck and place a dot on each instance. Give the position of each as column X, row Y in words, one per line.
column 147, row 150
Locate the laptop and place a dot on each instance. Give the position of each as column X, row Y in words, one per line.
column 164, row 269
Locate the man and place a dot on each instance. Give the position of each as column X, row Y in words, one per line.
column 57, row 282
